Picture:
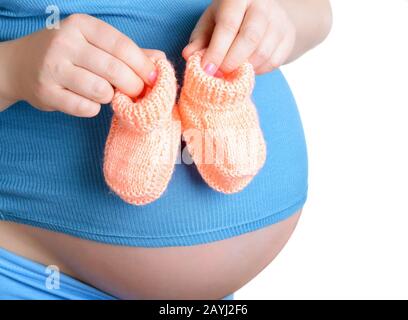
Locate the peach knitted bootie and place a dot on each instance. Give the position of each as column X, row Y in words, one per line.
column 143, row 140
column 221, row 126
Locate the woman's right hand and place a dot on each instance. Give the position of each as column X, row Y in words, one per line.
column 74, row 69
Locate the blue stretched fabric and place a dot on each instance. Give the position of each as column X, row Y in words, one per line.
column 51, row 163
column 23, row 279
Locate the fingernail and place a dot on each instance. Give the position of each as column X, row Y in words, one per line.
column 210, row 69
column 153, row 77
column 218, row 74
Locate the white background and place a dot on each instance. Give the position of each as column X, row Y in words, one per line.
column 352, row 93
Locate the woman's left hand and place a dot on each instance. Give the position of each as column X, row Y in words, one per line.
column 235, row 31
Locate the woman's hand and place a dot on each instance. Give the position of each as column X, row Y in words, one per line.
column 267, row 33
column 259, row 31
column 74, row 69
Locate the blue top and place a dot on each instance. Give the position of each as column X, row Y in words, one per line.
column 51, row 163
column 24, row 279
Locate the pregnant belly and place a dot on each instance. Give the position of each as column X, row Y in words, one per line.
column 205, row 271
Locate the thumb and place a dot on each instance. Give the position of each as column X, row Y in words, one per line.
column 201, row 35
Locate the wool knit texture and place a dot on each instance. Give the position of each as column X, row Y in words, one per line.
column 221, row 127
column 143, row 140
column 51, row 163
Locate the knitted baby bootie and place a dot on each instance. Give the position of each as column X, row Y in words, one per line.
column 143, row 140
column 221, row 126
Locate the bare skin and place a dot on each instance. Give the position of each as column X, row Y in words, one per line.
column 206, row 271
column 74, row 70
column 267, row 33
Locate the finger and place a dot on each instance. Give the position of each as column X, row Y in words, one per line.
column 227, row 23
column 264, row 68
column 116, row 44
column 71, row 103
column 265, row 50
column 283, row 51
column 250, row 36
column 201, row 35
column 87, row 84
column 111, row 69
column 278, row 57
column 154, row 54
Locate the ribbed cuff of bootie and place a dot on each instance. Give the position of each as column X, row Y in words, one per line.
column 149, row 112
column 212, row 92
